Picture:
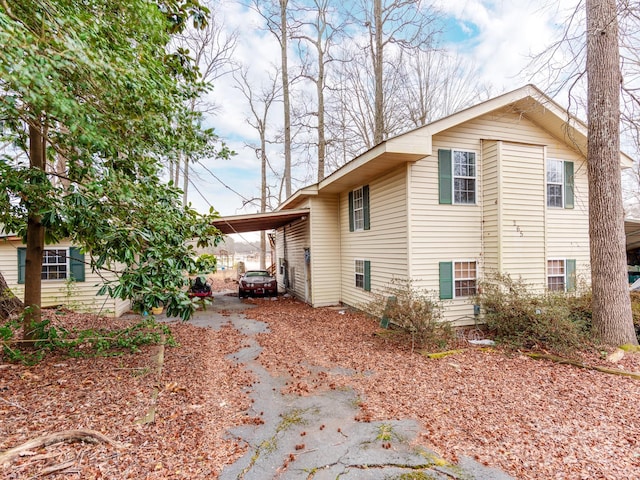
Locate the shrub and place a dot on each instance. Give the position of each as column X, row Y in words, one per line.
column 552, row 321
column 415, row 311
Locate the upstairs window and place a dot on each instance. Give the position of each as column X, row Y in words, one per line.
column 559, row 184
column 555, row 183
column 464, row 177
column 457, row 177
column 359, row 209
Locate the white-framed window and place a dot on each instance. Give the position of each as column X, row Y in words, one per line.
column 358, row 209
column 362, row 270
column 55, row 264
column 359, row 217
column 561, row 275
column 464, row 177
column 556, row 275
column 555, row 183
column 465, row 274
column 359, row 270
column 458, row 279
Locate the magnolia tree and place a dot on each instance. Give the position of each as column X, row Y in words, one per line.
column 93, row 103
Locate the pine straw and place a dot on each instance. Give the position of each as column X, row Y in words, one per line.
column 201, row 395
column 533, row 419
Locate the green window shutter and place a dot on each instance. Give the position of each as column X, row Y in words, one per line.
column 568, row 185
column 444, row 176
column 446, row 280
column 22, row 261
column 570, row 269
column 367, row 276
column 365, row 207
column 351, row 223
column 76, row 264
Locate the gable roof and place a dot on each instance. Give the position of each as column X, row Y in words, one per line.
column 415, row 144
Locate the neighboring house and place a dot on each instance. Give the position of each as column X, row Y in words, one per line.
column 501, row 186
column 66, row 279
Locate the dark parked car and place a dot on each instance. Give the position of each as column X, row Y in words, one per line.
column 257, row 282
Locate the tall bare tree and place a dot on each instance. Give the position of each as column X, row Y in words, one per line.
column 260, row 100
column 612, row 318
column 407, row 25
column 275, row 13
column 437, row 84
column 316, row 27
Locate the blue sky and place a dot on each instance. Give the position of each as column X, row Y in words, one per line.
column 498, row 35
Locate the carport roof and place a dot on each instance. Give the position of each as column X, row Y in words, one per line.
column 258, row 221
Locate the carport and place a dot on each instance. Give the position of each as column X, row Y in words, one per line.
column 258, row 222
column 632, row 234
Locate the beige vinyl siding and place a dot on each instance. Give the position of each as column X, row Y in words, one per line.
column 78, row 296
column 291, row 241
column 568, row 228
column 523, row 209
column 384, row 245
column 490, row 207
column 449, row 233
column 325, row 250
column 443, row 233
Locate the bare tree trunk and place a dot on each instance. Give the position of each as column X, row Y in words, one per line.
column 263, row 198
column 378, row 134
column 612, row 319
column 322, row 142
column 285, row 97
column 35, row 242
column 176, row 178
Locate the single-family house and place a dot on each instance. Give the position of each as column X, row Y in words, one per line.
column 501, row 186
column 67, row 279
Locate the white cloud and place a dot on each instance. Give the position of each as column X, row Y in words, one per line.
column 508, row 34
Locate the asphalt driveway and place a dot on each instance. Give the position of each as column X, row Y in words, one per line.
column 317, row 436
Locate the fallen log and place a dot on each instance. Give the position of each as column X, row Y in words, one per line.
column 68, row 436
column 576, row 363
column 436, row 355
column 150, row 416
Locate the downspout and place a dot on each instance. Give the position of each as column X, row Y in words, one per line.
column 286, row 260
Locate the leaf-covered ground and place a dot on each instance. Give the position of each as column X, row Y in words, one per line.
column 533, row 419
